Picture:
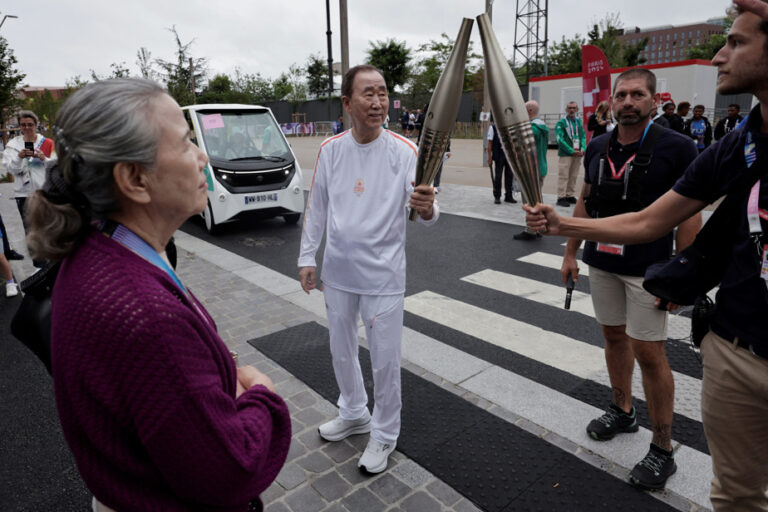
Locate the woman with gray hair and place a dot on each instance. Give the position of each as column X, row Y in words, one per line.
column 150, row 400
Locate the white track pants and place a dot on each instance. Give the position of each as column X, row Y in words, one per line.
column 383, row 319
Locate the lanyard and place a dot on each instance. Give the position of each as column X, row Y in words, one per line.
column 135, row 243
column 754, row 212
column 132, row 241
column 573, row 131
column 620, row 172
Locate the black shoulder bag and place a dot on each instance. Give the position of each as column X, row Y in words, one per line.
column 32, row 322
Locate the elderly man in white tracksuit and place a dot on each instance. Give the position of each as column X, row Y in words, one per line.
column 362, row 183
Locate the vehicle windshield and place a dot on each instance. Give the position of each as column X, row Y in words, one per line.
column 242, row 135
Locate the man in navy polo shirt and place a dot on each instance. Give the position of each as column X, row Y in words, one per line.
column 619, row 178
column 735, row 351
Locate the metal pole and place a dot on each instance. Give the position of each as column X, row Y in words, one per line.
column 546, row 37
column 344, row 52
column 486, row 97
column 328, row 34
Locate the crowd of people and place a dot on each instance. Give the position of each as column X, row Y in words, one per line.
column 151, row 377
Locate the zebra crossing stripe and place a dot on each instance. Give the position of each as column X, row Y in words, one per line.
column 553, row 349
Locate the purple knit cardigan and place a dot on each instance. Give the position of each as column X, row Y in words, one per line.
column 145, row 390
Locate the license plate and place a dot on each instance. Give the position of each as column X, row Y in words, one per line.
column 260, row 198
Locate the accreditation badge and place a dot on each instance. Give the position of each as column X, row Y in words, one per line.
column 764, row 266
column 614, row 249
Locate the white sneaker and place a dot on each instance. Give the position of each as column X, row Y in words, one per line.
column 375, row 456
column 11, row 289
column 338, row 428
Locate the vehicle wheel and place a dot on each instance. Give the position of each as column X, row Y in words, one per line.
column 210, row 224
column 292, row 218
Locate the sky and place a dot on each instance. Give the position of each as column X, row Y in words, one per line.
column 55, row 41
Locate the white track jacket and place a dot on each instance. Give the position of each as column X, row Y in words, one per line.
column 360, row 195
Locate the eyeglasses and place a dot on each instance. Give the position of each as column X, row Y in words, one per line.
column 27, row 125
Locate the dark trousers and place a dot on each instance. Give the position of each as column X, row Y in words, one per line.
column 6, row 245
column 502, row 167
column 436, row 182
column 21, row 203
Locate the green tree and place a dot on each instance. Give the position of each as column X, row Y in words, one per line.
column 185, row 76
column 298, row 88
column 258, row 89
column 392, row 58
column 565, row 56
column 144, row 61
column 707, row 49
column 118, row 71
column 435, row 56
column 221, row 89
column 317, row 76
column 10, row 81
column 281, row 87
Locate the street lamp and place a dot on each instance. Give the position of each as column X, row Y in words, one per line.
column 7, row 16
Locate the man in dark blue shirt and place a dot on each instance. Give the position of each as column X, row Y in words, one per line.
column 619, row 177
column 728, row 123
column 699, row 129
column 735, row 351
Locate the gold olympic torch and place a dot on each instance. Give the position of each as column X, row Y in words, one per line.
column 442, row 112
column 510, row 115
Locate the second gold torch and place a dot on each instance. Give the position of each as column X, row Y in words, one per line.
column 442, row 111
column 509, row 114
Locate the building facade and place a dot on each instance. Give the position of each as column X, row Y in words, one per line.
column 671, row 44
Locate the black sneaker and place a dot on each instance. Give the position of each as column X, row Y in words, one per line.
column 510, row 199
column 571, row 199
column 614, row 420
column 563, row 202
column 524, row 235
column 497, row 201
column 652, row 472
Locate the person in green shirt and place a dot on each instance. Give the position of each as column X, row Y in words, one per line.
column 541, row 136
column 571, row 141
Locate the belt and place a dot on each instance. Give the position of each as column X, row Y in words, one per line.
column 759, row 351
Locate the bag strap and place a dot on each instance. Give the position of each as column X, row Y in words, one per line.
column 645, row 153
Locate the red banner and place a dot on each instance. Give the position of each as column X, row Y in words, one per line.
column 595, row 79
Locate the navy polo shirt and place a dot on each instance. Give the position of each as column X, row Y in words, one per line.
column 742, row 300
column 671, row 156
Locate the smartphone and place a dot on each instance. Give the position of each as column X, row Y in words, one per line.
column 29, row 146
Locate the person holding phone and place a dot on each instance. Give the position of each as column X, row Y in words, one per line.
column 26, row 156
